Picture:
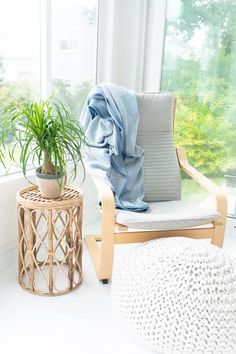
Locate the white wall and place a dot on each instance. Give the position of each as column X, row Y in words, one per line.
column 130, row 43
column 8, row 215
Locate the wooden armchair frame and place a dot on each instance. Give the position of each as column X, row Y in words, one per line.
column 101, row 247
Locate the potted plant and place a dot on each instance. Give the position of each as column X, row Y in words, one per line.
column 45, row 134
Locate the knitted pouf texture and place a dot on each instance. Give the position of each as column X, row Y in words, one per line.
column 179, row 296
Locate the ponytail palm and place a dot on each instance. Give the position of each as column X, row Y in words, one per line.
column 46, row 134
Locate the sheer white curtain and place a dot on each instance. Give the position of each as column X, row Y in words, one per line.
column 130, row 43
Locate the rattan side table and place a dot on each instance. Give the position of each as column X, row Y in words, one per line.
column 50, row 241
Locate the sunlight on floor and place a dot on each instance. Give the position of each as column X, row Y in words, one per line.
column 82, row 321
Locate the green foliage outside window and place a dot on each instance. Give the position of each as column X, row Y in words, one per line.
column 204, row 83
column 73, row 99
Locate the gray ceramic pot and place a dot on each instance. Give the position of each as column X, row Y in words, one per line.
column 50, row 186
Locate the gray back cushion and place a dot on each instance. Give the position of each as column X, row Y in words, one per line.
column 162, row 180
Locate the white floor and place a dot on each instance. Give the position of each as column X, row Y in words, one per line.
column 80, row 322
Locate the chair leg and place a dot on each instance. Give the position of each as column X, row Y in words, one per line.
column 107, row 254
column 218, row 237
column 102, row 255
column 220, row 223
column 94, row 252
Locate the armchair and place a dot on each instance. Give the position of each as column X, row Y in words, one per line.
column 168, row 215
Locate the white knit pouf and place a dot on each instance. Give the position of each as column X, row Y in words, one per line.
column 179, row 296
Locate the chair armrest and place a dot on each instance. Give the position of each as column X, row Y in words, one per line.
column 221, row 201
column 195, row 174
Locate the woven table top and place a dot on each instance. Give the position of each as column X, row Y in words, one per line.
column 31, row 197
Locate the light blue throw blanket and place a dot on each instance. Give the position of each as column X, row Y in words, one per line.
column 110, row 119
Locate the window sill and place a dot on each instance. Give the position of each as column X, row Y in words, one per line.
column 17, row 176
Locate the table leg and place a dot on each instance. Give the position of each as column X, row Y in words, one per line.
column 69, row 240
column 50, row 252
column 30, row 246
column 21, row 230
column 33, row 220
column 79, row 246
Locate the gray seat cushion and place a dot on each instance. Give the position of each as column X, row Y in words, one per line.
column 170, row 215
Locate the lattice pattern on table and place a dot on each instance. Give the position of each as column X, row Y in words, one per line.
column 31, row 196
column 50, row 249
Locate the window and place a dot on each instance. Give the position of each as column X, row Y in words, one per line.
column 199, row 66
column 19, row 46
column 47, row 46
column 19, row 53
column 69, row 40
column 73, row 57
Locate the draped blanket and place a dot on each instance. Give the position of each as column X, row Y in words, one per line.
column 110, row 119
